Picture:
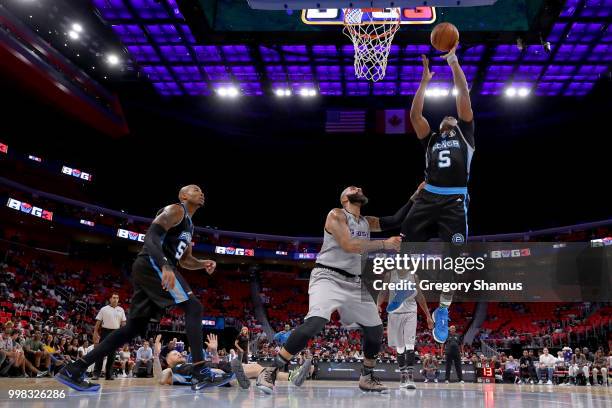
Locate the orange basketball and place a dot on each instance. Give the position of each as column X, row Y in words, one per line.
column 444, row 36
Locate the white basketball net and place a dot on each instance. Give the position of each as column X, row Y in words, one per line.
column 371, row 39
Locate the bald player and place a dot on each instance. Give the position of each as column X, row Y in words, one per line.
column 158, row 285
column 335, row 285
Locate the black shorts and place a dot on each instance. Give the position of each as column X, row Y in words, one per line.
column 437, row 216
column 150, row 299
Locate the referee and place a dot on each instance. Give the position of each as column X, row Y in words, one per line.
column 109, row 318
column 453, row 348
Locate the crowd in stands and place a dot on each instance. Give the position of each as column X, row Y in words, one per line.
column 542, row 324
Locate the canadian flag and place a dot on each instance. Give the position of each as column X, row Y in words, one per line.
column 393, row 122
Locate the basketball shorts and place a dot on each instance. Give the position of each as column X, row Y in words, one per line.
column 437, row 216
column 329, row 291
column 401, row 329
column 150, row 299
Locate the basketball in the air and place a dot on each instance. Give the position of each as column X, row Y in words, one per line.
column 444, row 37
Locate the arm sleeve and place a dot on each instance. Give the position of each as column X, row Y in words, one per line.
column 153, row 244
column 99, row 316
column 123, row 319
column 394, row 221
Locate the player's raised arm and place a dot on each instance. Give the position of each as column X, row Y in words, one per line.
column 212, row 344
column 163, row 377
column 337, row 225
column 188, row 261
column 464, row 104
column 419, row 123
column 388, row 222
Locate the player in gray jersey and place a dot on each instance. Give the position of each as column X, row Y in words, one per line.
column 402, row 322
column 335, row 285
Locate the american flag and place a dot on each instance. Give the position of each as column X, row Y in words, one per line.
column 345, row 121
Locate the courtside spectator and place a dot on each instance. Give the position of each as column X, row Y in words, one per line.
column 547, row 366
column 526, row 366
column 510, row 368
column 579, row 366
column 144, row 356
column 35, row 351
column 125, row 358
column 599, row 366
column 430, row 368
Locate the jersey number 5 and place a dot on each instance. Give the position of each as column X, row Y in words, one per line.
column 443, row 159
column 180, row 249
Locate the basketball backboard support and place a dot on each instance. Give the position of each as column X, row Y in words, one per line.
column 501, row 22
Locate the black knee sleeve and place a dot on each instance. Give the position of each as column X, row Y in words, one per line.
column 372, row 340
column 401, row 360
column 300, row 336
column 409, row 358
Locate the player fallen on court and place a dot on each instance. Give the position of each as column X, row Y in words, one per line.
column 335, row 285
column 179, row 370
column 402, row 322
column 157, row 286
column 443, row 204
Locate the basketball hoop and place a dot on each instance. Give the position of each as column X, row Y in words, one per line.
column 371, row 31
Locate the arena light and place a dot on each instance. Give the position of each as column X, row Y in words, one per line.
column 307, row 93
column 511, row 92
column 436, row 92
column 282, row 92
column 73, row 35
column 228, row 92
column 523, row 92
column 112, row 59
column 77, row 28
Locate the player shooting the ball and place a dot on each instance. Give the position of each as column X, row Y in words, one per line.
column 442, row 205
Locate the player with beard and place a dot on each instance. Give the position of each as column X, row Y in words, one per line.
column 158, row 285
column 335, row 285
